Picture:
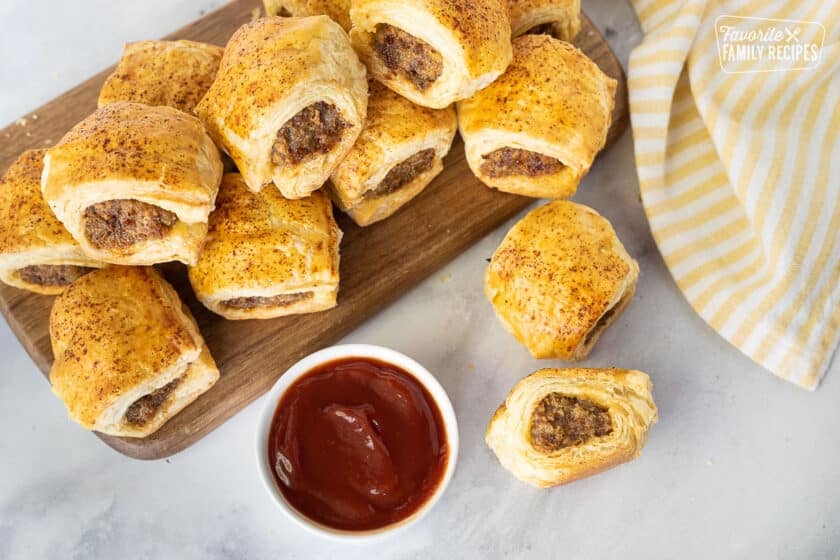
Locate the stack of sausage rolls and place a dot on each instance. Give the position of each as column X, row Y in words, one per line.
column 348, row 102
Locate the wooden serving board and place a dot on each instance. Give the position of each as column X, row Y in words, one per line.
column 378, row 263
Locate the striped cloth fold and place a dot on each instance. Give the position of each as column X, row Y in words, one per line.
column 740, row 170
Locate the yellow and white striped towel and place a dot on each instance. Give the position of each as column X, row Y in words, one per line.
column 740, row 172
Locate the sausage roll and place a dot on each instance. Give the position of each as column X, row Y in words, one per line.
column 172, row 73
column 559, row 278
column 560, row 425
column 398, row 153
column 536, row 130
column 266, row 255
column 128, row 354
column 288, row 102
column 337, row 10
column 36, row 252
column 133, row 184
column 558, row 18
column 433, row 52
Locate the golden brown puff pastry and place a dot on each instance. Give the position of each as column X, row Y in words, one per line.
column 559, row 278
column 433, row 52
column 536, row 130
column 398, row 153
column 172, row 73
column 36, row 252
column 288, row 102
column 134, row 184
column 267, row 256
column 558, row 18
column 560, row 425
column 337, row 10
column 128, row 354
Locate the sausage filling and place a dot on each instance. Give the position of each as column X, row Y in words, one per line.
column 561, row 421
column 548, row 28
column 403, row 173
column 122, row 223
column 505, row 162
column 541, row 29
column 280, row 300
column 604, row 321
column 314, row 130
column 413, row 58
column 52, row 274
column 143, row 409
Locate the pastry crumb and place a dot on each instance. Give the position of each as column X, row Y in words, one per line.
column 255, row 14
column 445, row 277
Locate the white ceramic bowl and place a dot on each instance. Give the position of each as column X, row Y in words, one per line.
column 330, row 354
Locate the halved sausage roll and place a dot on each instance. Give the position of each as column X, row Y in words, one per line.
column 128, row 354
column 536, row 130
column 558, row 18
column 433, row 52
column 266, row 255
column 337, row 10
column 133, row 184
column 36, row 252
column 398, row 153
column 288, row 102
column 559, row 278
column 560, row 425
column 171, row 73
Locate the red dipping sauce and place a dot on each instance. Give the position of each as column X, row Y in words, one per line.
column 357, row 444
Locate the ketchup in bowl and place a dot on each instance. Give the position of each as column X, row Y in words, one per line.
column 357, row 444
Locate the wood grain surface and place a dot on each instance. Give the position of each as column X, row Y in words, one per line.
column 378, row 263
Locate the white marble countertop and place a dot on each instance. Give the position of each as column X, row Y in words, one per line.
column 741, row 464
